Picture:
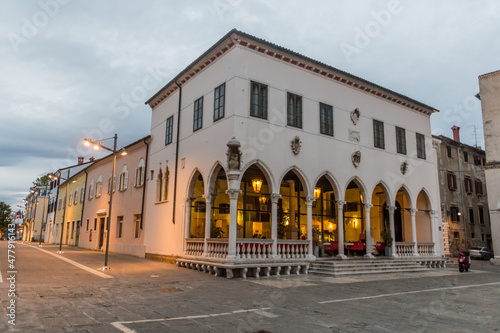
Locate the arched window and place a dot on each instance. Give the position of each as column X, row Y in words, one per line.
column 91, row 189
column 139, row 174
column 198, row 208
column 292, row 210
column 98, row 187
column 325, row 227
column 254, row 206
column 220, row 207
column 123, row 179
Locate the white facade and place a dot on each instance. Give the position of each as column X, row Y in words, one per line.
column 237, row 61
column 489, row 86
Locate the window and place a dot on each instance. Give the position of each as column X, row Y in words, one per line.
column 75, row 197
column 114, row 184
column 326, row 119
column 198, row 114
column 378, row 134
column 162, row 185
column 479, row 187
column 484, row 161
column 169, row 131
column 137, row 226
column 455, row 217
column 472, row 235
column 448, row 151
column 401, row 140
column 98, row 187
column 123, row 179
column 91, row 189
column 456, row 235
column 82, row 193
column 482, row 237
column 59, row 204
column 481, row 214
column 70, row 201
column 466, row 157
column 219, row 101
column 420, row 146
column 119, row 226
column 95, row 224
column 468, row 184
column 294, row 110
column 258, row 100
column 477, row 160
column 452, row 181
column 87, row 227
column 471, row 215
column 72, row 229
column 139, row 174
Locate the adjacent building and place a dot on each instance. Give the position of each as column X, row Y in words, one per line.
column 464, row 201
column 260, row 153
column 489, row 88
column 34, row 218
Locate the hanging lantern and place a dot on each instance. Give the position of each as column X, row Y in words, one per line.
column 262, row 200
column 257, row 184
column 317, row 192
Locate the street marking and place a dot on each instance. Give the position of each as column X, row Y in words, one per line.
column 408, row 293
column 74, row 263
column 121, row 325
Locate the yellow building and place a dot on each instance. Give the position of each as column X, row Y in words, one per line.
column 70, row 207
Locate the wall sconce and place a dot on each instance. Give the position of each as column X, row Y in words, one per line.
column 257, row 184
column 262, row 200
column 355, row 222
column 317, row 192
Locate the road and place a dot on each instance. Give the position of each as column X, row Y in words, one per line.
column 67, row 293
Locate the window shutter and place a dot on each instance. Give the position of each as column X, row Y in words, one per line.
column 136, row 184
column 109, row 184
column 125, row 181
column 114, row 183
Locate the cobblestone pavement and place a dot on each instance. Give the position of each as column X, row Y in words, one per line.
column 137, row 295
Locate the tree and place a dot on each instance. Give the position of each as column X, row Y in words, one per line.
column 40, row 181
column 5, row 212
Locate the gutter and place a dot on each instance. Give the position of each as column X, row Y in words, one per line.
column 144, row 185
column 177, row 151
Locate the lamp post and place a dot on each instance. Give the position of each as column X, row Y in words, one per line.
column 97, row 144
column 43, row 214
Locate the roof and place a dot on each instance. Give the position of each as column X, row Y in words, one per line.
column 450, row 141
column 235, row 37
column 490, row 73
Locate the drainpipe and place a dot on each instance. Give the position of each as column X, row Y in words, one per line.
column 83, row 202
column 144, row 185
column 177, row 151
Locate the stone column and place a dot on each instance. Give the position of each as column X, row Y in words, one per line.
column 413, row 211
column 368, row 232
column 274, row 223
column 340, row 228
column 433, row 216
column 233, row 221
column 187, row 231
column 208, row 222
column 309, row 203
column 393, row 235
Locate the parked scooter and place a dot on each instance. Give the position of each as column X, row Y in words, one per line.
column 463, row 261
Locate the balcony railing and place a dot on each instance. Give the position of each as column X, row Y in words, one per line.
column 406, row 249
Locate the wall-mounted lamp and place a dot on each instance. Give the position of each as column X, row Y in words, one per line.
column 262, row 200
column 317, row 192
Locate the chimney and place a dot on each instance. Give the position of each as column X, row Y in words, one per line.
column 456, row 133
column 80, row 160
column 92, row 159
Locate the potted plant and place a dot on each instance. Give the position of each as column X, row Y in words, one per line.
column 387, row 237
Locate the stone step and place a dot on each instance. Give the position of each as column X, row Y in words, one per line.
column 354, row 268
column 367, row 272
column 365, row 264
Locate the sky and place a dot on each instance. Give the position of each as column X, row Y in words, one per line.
column 75, row 69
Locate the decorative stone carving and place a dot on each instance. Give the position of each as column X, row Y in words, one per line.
column 233, row 154
column 354, row 136
column 296, row 144
column 356, row 158
column 310, row 200
column 233, row 193
column 404, row 167
column 275, row 197
column 355, row 116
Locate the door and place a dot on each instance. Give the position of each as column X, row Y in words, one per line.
column 67, row 234
column 398, row 223
column 101, row 232
column 77, row 236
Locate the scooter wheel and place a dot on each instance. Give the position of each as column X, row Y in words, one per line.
column 466, row 269
column 461, row 269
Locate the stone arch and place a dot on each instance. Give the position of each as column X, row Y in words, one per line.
column 333, row 181
column 361, row 186
column 265, row 170
column 423, row 219
column 214, row 171
column 191, row 183
column 300, row 174
column 196, row 195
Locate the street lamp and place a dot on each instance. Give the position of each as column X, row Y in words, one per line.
column 97, row 144
column 51, row 176
column 43, row 215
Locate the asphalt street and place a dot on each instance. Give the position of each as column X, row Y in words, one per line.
column 68, row 293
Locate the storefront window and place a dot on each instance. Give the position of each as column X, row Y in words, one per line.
column 324, row 210
column 220, row 207
column 292, row 210
column 198, row 209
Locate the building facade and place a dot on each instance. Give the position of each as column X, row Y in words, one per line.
column 126, row 227
column 36, row 208
column 464, row 201
column 489, row 87
column 259, row 154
